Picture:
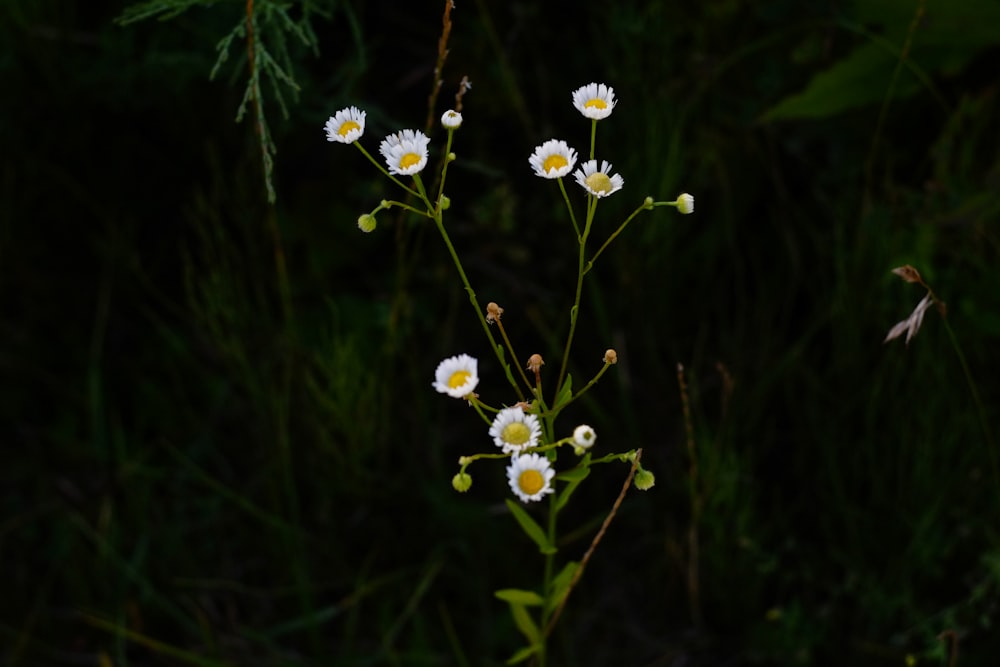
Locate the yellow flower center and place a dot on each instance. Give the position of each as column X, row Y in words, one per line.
column 458, row 378
column 598, row 182
column 531, row 482
column 347, row 128
column 597, row 103
column 554, row 163
column 516, row 433
column 408, row 160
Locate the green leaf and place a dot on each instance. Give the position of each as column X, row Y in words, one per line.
column 522, row 655
column 520, row 596
column 506, row 367
column 530, row 527
column 574, row 476
column 565, row 394
column 560, row 585
column 524, row 622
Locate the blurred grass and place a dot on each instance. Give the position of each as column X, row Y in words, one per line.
column 202, row 470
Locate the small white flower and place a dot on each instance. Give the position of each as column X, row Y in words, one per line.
column 685, row 203
column 598, row 182
column 530, row 476
column 515, row 431
column 452, row 120
column 457, row 376
column 595, row 101
column 405, row 152
column 584, row 436
column 345, row 126
column 553, row 159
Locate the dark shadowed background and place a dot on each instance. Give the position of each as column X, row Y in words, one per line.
column 221, row 446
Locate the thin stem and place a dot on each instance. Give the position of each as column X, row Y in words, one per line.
column 574, row 311
column 593, row 544
column 569, row 207
column 384, row 171
column 497, row 350
column 694, row 598
column 611, row 238
column 513, row 355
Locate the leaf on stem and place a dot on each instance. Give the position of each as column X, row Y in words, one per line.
column 565, row 393
column 520, row 596
column 531, row 527
column 560, row 585
column 574, row 477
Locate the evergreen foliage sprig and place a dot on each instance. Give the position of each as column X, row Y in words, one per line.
column 266, row 28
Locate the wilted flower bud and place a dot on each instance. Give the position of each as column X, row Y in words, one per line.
column 493, row 312
column 535, row 363
column 610, row 356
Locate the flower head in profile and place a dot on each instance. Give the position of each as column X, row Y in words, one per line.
column 346, row 126
column 405, row 152
column 451, row 120
column 515, row 431
column 530, row 477
column 457, row 376
column 685, row 203
column 553, row 159
column 595, row 100
column 598, row 182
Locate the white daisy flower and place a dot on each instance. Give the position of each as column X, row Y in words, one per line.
column 405, row 152
column 457, row 376
column 685, row 203
column 452, row 120
column 515, row 431
column 595, row 101
column 596, row 181
column 345, row 126
column 584, row 436
column 553, row 159
column 530, row 476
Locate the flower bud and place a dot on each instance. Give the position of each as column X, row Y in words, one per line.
column 461, row 482
column 366, row 223
column 644, row 480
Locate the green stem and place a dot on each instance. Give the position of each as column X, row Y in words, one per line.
column 497, row 349
column 574, row 311
column 611, row 238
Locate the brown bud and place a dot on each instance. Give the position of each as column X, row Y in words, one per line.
column 535, row 363
column 909, row 274
column 610, row 356
column 493, row 312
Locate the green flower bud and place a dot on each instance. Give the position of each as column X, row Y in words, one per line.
column 462, row 482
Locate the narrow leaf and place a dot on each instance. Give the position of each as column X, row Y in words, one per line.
column 524, row 622
column 522, row 655
column 560, row 585
column 574, row 481
column 530, row 527
column 565, row 393
column 520, row 596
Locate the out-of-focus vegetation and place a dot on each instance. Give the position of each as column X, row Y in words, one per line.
column 221, row 446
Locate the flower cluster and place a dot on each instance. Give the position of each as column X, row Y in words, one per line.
column 522, row 432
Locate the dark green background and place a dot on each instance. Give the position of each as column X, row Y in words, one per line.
column 209, row 460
